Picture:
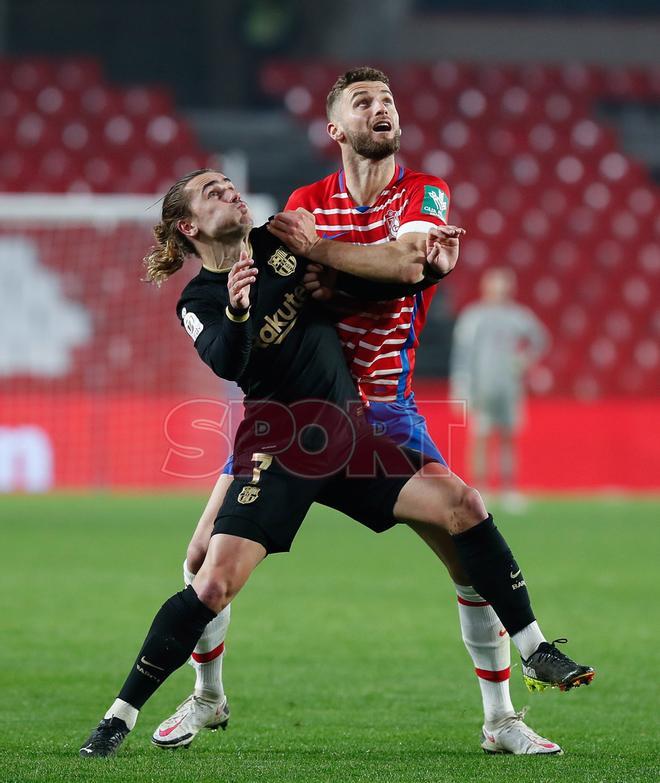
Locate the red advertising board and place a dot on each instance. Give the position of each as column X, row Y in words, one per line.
column 133, row 441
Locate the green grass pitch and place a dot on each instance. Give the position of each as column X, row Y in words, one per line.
column 344, row 658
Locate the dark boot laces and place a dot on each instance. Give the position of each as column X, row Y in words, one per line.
column 550, row 651
column 112, row 731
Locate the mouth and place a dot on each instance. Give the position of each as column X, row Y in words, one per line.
column 382, row 126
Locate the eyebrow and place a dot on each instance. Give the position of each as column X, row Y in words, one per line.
column 366, row 92
column 215, row 182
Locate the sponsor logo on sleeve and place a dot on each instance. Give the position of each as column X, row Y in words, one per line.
column 435, row 202
column 191, row 323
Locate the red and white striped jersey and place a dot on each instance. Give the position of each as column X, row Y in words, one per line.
column 379, row 338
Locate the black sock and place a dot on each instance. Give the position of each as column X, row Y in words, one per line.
column 172, row 637
column 494, row 573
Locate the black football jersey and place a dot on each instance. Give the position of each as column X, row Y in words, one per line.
column 287, row 350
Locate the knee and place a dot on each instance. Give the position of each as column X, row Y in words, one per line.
column 473, row 504
column 469, row 509
column 215, row 590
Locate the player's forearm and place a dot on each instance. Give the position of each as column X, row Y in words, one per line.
column 388, row 263
column 376, row 290
column 228, row 352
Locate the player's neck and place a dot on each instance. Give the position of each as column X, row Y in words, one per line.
column 221, row 256
column 366, row 179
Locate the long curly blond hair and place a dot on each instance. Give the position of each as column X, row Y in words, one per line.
column 168, row 254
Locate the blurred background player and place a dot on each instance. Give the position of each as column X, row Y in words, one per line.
column 495, row 341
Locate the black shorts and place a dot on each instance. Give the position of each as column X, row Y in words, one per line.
column 270, row 505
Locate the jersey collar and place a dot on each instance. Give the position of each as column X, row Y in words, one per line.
column 398, row 175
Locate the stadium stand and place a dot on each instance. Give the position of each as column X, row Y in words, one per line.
column 542, row 185
column 65, row 129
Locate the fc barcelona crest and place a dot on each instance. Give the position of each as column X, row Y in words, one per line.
column 248, row 494
column 283, row 262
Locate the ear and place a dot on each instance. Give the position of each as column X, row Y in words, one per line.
column 187, row 228
column 336, row 133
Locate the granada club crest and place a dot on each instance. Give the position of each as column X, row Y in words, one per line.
column 393, row 222
column 283, row 262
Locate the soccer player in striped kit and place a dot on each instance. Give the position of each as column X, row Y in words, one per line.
column 371, row 213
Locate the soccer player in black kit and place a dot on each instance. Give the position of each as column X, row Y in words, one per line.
column 303, row 439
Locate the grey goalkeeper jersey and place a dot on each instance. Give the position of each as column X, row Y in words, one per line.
column 489, row 347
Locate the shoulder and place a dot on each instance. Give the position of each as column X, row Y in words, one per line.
column 472, row 312
column 202, row 290
column 263, row 243
column 309, row 196
column 273, row 257
column 418, row 179
column 193, row 290
column 523, row 312
column 426, row 202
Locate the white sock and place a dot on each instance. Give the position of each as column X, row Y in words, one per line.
column 123, row 710
column 488, row 645
column 528, row 639
column 208, row 655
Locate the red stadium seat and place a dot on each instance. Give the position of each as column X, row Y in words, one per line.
column 560, row 109
column 145, row 102
column 79, row 136
column 405, row 78
column 101, row 101
column 54, row 102
column 471, row 103
column 416, row 139
column 31, row 74
column 502, row 141
column 318, row 135
column 624, row 82
column 648, row 260
column 516, row 104
column 14, row 104
column 426, row 105
column 163, row 132
column 439, row 163
column 643, row 200
column 32, row 131
column 447, row 77
column 580, row 79
column 77, row 74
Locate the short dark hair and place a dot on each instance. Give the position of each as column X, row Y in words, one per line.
column 364, row 73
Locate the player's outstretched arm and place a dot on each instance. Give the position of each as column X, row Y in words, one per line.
column 442, row 246
column 400, row 261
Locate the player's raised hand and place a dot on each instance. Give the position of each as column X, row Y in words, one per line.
column 442, row 245
column 296, row 229
column 241, row 276
column 319, row 281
